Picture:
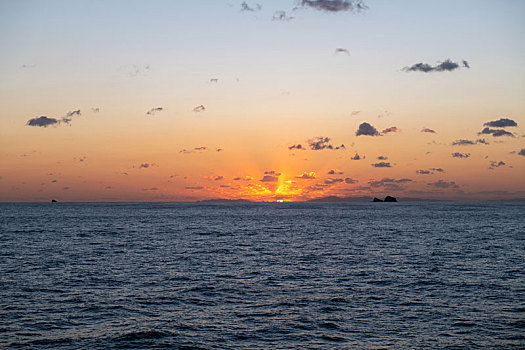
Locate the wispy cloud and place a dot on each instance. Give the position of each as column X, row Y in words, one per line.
column 196, row 149
column 495, row 132
column 298, row 146
column 351, row 181
column 460, row 155
column 342, row 50
column 390, row 129
column 306, row 175
column 387, row 181
column 199, row 109
column 320, row 143
column 382, row 165
column 445, row 66
column 382, row 158
column 501, row 123
column 367, row 130
column 464, row 142
column 332, row 181
column 430, row 171
column 95, row 109
column 194, row 187
column 269, row 178
column 42, row 122
column 281, row 16
column 428, row 130
column 443, row 184
column 335, row 5
column 245, row 7
column 154, row 110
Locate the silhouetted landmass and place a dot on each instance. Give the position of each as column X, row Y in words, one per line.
column 390, row 199
column 335, row 199
column 53, row 201
column 223, row 200
column 377, row 200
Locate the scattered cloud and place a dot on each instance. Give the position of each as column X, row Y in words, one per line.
column 350, row 181
column 428, row 130
column 269, row 178
column 272, row 172
column 306, row 176
column 214, row 80
column 501, row 123
column 382, row 158
column 332, row 181
column 460, row 155
column 154, row 110
column 320, row 143
column 390, row 129
column 194, row 187
column 298, row 146
column 334, row 172
column 466, row 64
column 464, row 142
column 443, row 184
column 219, row 150
column 73, row 113
column 245, row 178
column 335, row 5
column 245, row 7
column 424, row 172
column 496, row 164
column 42, row 122
column 342, row 50
column 199, row 109
column 382, row 165
column 95, row 109
column 446, row 65
column 357, row 157
column 367, row 130
column 145, row 165
column 281, row 16
column 388, row 181
column 218, row 178
column 495, row 132
column 522, row 152
column 202, row 148
column 196, row 149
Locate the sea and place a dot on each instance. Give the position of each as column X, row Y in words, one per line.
column 419, row 275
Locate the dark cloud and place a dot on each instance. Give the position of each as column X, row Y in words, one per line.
column 465, row 64
column 281, row 16
column 439, row 170
column 245, row 178
column 194, row 187
column 428, row 130
column 42, row 122
column 269, row 178
column 196, row 149
column 218, row 178
column 320, row 143
column 333, row 172
column 522, row 152
column 199, row 109
column 495, row 132
column 443, row 184
column 144, row 166
column 357, row 157
column 219, row 150
column 387, row 181
column 460, row 155
column 382, row 158
column 73, row 113
column 154, row 110
column 382, row 165
column 202, row 148
column 367, row 130
column 306, row 176
column 496, row 164
column 390, row 129
column 501, row 123
column 272, row 172
column 214, row 80
column 424, row 172
column 342, row 50
column 464, row 142
column 350, row 181
column 446, row 65
column 245, row 7
column 335, row 5
column 298, row 146
column 332, row 181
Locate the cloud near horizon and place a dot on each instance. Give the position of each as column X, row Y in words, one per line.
column 445, row 66
column 443, row 184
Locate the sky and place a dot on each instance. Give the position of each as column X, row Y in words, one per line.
column 126, row 100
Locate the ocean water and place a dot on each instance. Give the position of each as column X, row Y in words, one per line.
column 262, row 276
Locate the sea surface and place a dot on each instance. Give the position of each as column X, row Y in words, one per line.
column 423, row 275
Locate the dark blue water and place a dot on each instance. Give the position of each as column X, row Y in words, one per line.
column 262, row 276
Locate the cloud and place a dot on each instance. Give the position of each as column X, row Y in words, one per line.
column 367, row 130
column 281, row 16
column 332, row 181
column 214, row 80
column 460, row 155
column 428, row 130
column 464, row 142
column 298, row 146
column 496, row 164
column 245, row 178
column 218, row 178
column 495, row 132
column 154, row 110
column 465, row 64
column 320, row 143
column 196, row 149
column 245, row 7
column 446, row 65
column 306, row 176
column 357, row 157
column 144, row 166
column 424, row 172
column 382, row 158
column 443, row 184
column 350, row 181
column 42, row 122
column 335, row 5
column 522, row 152
column 269, row 178
column 342, row 50
column 387, row 181
column 382, row 165
column 501, row 123
column 199, row 109
column 95, row 109
column 219, row 150
column 390, row 129
column 333, row 172
column 194, row 187
column 73, row 113
column 202, row 148
column 272, row 172
column 439, row 170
